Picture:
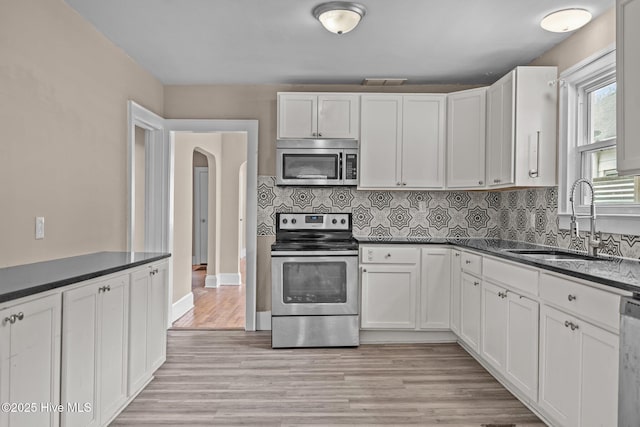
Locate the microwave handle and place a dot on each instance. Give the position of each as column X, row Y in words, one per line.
column 340, row 166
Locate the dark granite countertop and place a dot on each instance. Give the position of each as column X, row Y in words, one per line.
column 619, row 273
column 29, row 279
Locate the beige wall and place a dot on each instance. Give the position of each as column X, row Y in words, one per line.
column 185, row 144
column 590, row 39
column 139, row 156
column 199, row 161
column 234, row 154
column 63, row 116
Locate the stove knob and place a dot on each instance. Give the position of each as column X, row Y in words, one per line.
column 284, row 221
column 334, row 221
column 343, row 221
column 293, row 221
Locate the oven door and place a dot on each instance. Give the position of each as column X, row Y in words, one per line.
column 298, row 166
column 314, row 285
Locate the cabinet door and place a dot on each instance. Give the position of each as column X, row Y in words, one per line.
column 500, row 132
column 380, row 136
column 628, row 93
column 423, row 143
column 599, row 351
column 466, row 116
column 157, row 320
column 435, row 289
column 494, row 325
column 80, row 354
column 138, row 374
column 30, row 365
column 470, row 296
column 389, row 296
column 338, row 116
column 522, row 344
column 113, row 336
column 297, row 116
column 456, row 272
column 559, row 366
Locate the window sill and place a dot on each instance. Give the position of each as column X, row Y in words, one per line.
column 607, row 223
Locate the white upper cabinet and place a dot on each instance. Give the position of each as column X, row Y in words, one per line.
column 312, row 115
column 466, row 118
column 628, row 93
column 402, row 144
column 521, row 129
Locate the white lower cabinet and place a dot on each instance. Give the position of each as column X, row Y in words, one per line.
column 94, row 351
column 470, row 299
column 578, row 370
column 435, row 288
column 30, row 361
column 147, row 324
column 456, row 273
column 510, row 336
column 388, row 296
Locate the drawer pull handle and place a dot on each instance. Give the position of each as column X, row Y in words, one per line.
column 571, row 297
column 571, row 325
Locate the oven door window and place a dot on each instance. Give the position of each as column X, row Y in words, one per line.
column 314, row 282
column 310, row 166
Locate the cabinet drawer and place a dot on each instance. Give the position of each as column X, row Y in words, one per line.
column 590, row 303
column 515, row 276
column 471, row 263
column 389, row 255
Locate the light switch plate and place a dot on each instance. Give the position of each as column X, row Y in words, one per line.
column 39, row 227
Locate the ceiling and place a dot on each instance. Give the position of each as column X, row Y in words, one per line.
column 279, row 41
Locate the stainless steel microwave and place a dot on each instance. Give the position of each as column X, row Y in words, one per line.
column 317, row 162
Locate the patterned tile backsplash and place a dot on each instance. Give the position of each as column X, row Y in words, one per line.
column 529, row 215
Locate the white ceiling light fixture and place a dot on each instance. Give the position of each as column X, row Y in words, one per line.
column 339, row 17
column 563, row 21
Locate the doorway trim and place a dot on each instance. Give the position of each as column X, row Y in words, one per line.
column 250, row 127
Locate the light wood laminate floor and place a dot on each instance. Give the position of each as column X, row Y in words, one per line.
column 235, row 378
column 215, row 308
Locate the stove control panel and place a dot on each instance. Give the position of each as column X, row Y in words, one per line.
column 314, row 221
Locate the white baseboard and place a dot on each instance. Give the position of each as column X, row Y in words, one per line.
column 211, row 281
column 263, row 321
column 233, row 279
column 180, row 307
column 390, row 337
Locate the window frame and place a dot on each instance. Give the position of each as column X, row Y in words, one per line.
column 574, row 85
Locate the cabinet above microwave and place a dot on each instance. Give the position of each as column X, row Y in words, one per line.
column 318, row 115
column 321, row 162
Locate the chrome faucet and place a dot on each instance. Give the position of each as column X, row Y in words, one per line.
column 594, row 241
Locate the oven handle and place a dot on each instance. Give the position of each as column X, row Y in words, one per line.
column 307, row 254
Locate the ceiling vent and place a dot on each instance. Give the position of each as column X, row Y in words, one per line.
column 383, row 82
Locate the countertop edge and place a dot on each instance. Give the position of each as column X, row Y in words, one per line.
column 514, row 258
column 48, row 286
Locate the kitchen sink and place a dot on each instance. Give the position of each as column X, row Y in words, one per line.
column 552, row 254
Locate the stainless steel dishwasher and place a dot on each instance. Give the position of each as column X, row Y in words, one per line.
column 629, row 384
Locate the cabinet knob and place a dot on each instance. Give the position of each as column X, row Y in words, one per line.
column 476, row 283
column 364, row 270
column 457, row 254
column 387, row 256
column 404, row 183
column 397, row 183
column 480, row 182
column 319, row 134
column 10, row 319
column 109, row 288
column 20, row 316
column 467, row 262
column 571, row 297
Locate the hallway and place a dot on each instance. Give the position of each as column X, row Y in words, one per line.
column 215, row 308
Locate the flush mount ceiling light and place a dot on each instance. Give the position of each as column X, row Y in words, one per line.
column 565, row 20
column 339, row 17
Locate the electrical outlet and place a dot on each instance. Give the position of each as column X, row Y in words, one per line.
column 39, row 227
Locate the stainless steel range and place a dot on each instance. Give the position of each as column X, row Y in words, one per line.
column 314, row 276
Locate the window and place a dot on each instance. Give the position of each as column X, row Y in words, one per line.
column 597, row 150
column 588, row 147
